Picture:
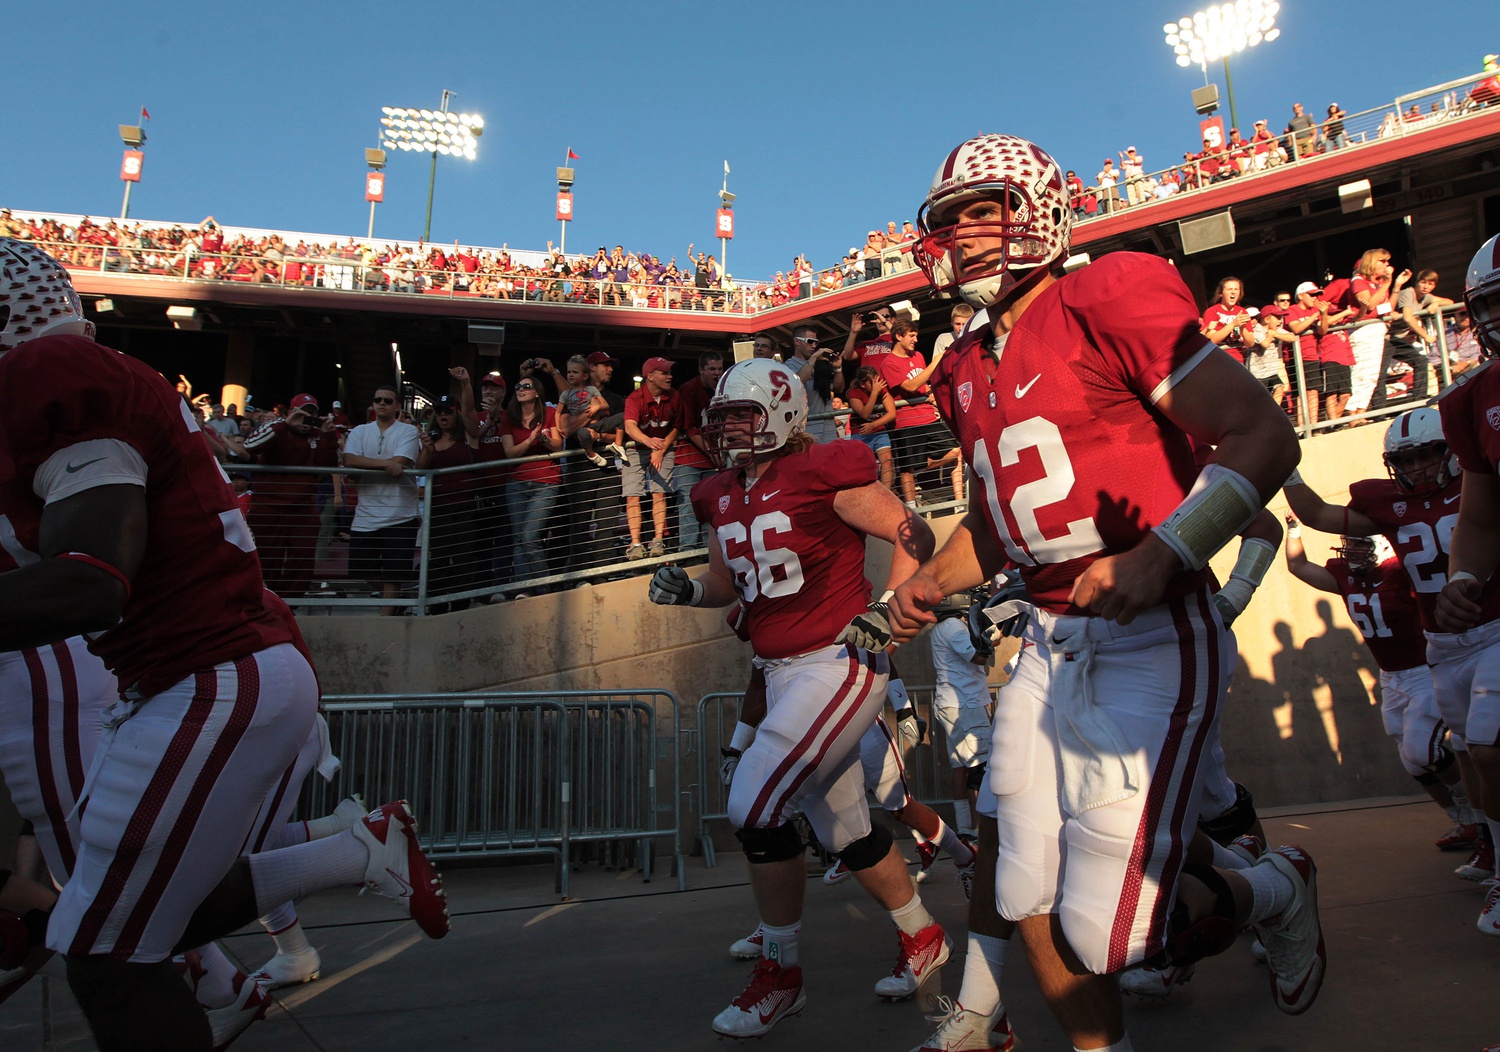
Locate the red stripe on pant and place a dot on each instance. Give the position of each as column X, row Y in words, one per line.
column 259, row 835
column 72, row 747
column 41, row 749
column 1166, row 766
column 890, row 740
column 857, row 666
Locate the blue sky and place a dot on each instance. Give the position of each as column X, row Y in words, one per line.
column 832, row 116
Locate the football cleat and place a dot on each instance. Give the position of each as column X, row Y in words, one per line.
column 837, row 873
column 289, row 969
column 748, row 948
column 1460, row 838
column 919, row 958
column 1248, row 848
column 398, row 870
column 1258, row 950
column 960, row 1030
column 1155, row 982
column 1294, row 939
column 250, row 1003
column 927, row 853
column 1489, row 917
column 773, row 994
column 1480, row 864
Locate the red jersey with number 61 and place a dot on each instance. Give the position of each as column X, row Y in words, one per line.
column 1420, row 529
column 1382, row 607
column 197, row 599
column 1057, row 420
column 799, row 568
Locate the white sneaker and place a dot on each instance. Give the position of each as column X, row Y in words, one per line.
column 920, row 957
column 1489, row 917
column 250, row 1003
column 289, row 969
column 1294, row 940
column 398, row 870
column 960, row 1030
column 1154, row 982
column 773, row 994
column 837, row 873
column 748, row 948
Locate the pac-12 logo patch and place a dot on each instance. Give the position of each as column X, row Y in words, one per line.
column 1492, row 414
column 965, row 395
column 1400, row 509
column 723, row 505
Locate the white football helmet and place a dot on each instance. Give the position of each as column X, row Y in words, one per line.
column 1364, row 554
column 1419, row 431
column 36, row 297
column 1033, row 224
column 1482, row 296
column 772, row 392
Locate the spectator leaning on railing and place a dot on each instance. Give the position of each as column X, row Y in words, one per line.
column 1302, row 133
column 383, row 539
column 450, row 535
column 1333, row 347
column 691, row 462
column 528, row 428
column 284, row 516
column 651, row 423
column 1301, row 321
column 1371, row 290
column 1224, row 319
column 1408, row 336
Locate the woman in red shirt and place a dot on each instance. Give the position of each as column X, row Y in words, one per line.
column 528, row 428
column 451, row 565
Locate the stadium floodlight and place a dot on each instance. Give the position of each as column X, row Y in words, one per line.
column 1221, row 30
column 434, row 132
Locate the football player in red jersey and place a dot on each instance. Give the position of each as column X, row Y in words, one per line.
column 133, row 538
column 1378, row 596
column 1074, row 399
column 1416, row 509
column 1465, row 605
column 789, row 518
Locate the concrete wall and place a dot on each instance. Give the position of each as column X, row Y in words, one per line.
column 1301, row 724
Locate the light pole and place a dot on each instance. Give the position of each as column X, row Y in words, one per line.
column 725, row 232
column 1220, row 31
column 374, row 187
column 134, row 137
column 435, row 132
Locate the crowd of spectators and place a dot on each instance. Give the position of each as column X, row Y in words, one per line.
column 1374, row 338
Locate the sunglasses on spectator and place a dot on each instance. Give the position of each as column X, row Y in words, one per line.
column 1283, row 300
column 525, row 387
column 811, row 341
column 379, row 400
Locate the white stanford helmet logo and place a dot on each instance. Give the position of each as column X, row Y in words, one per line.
column 723, row 505
column 1492, row 414
column 1400, row 509
column 965, row 395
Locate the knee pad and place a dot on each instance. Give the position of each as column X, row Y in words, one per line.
column 976, row 776
column 1190, row 941
column 1237, row 821
column 771, row 845
column 868, row 850
column 1427, row 778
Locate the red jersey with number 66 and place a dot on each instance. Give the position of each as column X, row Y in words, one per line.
column 197, row 599
column 799, row 568
column 1056, row 419
column 1420, row 529
column 1382, row 607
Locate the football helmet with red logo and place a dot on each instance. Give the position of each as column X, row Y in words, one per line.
column 1482, row 296
column 985, row 257
column 757, row 407
column 36, row 297
column 1364, row 554
column 1417, row 454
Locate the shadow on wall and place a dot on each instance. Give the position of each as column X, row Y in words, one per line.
column 1318, row 716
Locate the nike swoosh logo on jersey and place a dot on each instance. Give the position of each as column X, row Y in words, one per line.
column 768, row 496
column 1446, row 500
column 1021, row 391
column 79, row 467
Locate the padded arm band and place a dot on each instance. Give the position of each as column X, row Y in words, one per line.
column 1218, row 508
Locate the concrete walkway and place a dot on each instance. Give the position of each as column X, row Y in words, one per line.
column 632, row 965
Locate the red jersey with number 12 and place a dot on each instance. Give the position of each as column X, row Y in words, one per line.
column 197, row 599
column 1072, row 460
column 799, row 568
column 1382, row 607
column 1420, row 529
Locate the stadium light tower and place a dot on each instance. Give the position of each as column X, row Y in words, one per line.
column 431, row 131
column 1220, row 31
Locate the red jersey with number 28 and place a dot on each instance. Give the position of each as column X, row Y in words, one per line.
column 1382, row 607
column 799, row 568
column 1420, row 529
column 1072, row 461
column 197, row 599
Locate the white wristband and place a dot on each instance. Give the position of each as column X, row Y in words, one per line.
column 1219, row 507
column 1294, row 530
column 1461, row 575
column 744, row 734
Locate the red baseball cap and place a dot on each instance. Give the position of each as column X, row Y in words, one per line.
column 302, row 401
column 603, row 357
column 657, row 364
column 493, row 378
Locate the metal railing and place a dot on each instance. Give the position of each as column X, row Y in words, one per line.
column 494, row 774
column 926, row 765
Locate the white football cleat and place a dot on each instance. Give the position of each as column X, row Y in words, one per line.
column 1489, row 917
column 250, row 1003
column 398, row 870
column 1154, row 982
column 920, row 957
column 748, row 948
column 837, row 873
column 1294, row 939
column 773, row 994
column 289, row 969
column 960, row 1030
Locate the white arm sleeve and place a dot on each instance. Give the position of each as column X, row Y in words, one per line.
column 97, row 462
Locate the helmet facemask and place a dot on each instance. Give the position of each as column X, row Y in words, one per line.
column 981, row 259
column 1421, row 470
column 732, row 439
column 1359, row 553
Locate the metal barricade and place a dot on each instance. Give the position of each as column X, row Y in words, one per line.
column 496, row 774
column 926, row 766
